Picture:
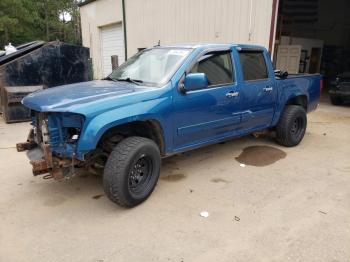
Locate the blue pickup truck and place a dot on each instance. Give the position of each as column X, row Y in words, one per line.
column 162, row 101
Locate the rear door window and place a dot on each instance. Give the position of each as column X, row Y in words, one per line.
column 253, row 65
column 217, row 66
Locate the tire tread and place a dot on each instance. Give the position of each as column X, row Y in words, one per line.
column 115, row 166
column 283, row 124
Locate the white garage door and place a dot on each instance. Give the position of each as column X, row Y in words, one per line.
column 112, row 44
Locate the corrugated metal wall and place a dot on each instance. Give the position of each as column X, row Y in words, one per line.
column 183, row 21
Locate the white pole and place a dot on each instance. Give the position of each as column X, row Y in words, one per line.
column 250, row 20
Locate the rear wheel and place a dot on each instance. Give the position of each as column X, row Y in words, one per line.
column 132, row 171
column 291, row 127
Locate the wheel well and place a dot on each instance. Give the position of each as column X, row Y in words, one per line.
column 298, row 100
column 149, row 129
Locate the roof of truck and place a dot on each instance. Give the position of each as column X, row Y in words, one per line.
column 213, row 45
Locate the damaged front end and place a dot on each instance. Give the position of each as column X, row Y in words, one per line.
column 51, row 144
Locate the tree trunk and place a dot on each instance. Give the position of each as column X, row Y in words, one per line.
column 6, row 37
column 47, row 22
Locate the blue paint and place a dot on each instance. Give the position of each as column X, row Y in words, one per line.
column 195, row 81
column 189, row 120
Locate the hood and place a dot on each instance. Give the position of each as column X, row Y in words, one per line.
column 68, row 98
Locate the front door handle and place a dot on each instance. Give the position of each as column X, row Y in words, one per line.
column 268, row 89
column 232, row 94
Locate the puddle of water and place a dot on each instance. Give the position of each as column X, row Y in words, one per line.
column 173, row 178
column 260, row 155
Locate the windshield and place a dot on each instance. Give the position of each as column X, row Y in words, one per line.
column 152, row 66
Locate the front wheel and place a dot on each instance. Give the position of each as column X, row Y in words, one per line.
column 291, row 127
column 132, row 171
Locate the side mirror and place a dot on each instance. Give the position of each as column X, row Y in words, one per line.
column 194, row 81
column 281, row 74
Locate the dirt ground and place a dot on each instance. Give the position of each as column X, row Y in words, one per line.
column 285, row 204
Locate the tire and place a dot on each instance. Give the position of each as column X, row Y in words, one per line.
column 335, row 100
column 291, row 127
column 132, row 171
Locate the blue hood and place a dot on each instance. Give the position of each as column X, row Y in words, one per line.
column 70, row 98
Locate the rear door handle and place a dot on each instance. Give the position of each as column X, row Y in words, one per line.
column 268, row 89
column 232, row 94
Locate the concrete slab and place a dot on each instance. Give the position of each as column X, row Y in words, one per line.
column 294, row 209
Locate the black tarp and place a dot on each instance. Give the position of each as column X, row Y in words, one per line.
column 43, row 64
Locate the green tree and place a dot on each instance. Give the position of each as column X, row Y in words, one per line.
column 14, row 21
column 28, row 20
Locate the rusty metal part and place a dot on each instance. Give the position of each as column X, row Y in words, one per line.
column 42, row 166
column 47, row 155
column 55, row 168
column 40, row 119
column 57, row 173
column 30, row 144
column 64, row 168
column 39, row 167
column 53, row 165
column 25, row 146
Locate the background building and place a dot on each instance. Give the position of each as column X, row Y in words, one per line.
column 169, row 21
column 313, row 36
column 102, row 32
column 302, row 36
column 179, row 21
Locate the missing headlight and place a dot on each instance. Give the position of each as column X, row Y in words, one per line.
column 72, row 134
column 64, row 128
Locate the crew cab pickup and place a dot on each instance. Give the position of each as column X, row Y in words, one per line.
column 162, row 101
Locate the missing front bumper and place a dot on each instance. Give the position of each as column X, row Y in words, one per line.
column 44, row 162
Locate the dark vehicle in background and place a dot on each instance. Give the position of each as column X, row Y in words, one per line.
column 340, row 89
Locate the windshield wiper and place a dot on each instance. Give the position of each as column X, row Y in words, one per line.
column 109, row 78
column 128, row 79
